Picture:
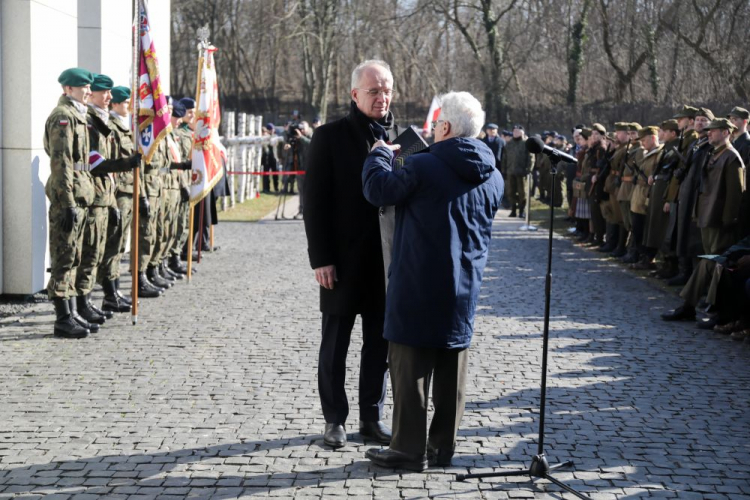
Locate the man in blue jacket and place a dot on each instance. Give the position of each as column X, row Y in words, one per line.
column 446, row 199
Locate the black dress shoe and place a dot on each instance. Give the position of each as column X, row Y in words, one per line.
column 685, row 312
column 377, row 431
column 708, row 323
column 438, row 458
column 335, row 435
column 396, row 460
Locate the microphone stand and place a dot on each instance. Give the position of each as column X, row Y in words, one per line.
column 539, row 467
column 527, row 226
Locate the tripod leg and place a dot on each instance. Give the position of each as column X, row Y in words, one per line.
column 566, row 487
column 463, row 477
column 569, row 463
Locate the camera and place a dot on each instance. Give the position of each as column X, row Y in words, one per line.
column 291, row 133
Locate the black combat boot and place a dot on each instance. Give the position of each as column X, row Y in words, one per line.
column 122, row 298
column 685, row 266
column 155, row 278
column 622, row 238
column 111, row 301
column 73, row 304
column 166, row 271
column 512, row 210
column 146, row 289
column 65, row 325
column 85, row 311
column 100, row 312
column 176, row 265
column 164, row 275
column 611, row 239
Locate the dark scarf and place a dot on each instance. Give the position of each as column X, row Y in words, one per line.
column 376, row 130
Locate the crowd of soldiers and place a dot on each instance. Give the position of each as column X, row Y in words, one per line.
column 89, row 140
column 668, row 199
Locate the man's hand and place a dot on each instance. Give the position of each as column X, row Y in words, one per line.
column 666, row 208
column 650, row 180
column 593, row 179
column 70, row 220
column 383, row 144
column 135, row 160
column 326, row 276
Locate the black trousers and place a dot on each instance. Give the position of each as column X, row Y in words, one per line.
column 412, row 370
column 337, row 332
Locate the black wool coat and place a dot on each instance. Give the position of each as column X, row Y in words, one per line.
column 342, row 228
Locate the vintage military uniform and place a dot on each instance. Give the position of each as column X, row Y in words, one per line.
column 658, row 219
column 70, row 190
column 640, row 198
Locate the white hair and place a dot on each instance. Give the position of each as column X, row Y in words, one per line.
column 464, row 112
column 357, row 73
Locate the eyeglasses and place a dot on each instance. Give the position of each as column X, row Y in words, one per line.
column 434, row 124
column 377, row 92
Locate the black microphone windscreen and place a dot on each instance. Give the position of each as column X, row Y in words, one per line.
column 534, row 145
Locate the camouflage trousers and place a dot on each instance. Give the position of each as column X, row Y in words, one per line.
column 183, row 228
column 147, row 233
column 92, row 254
column 117, row 237
column 65, row 252
column 166, row 225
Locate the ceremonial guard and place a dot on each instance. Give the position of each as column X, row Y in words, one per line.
column 183, row 136
column 70, row 190
column 639, row 200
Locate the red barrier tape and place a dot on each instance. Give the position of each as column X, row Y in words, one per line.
column 293, row 172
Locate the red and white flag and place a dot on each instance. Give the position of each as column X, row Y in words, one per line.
column 209, row 155
column 153, row 112
column 432, row 114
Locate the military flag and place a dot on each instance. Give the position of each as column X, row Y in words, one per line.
column 153, row 112
column 209, row 155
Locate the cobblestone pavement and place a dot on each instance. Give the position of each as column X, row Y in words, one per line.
column 213, row 394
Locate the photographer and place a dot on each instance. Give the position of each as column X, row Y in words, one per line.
column 269, row 161
column 297, row 140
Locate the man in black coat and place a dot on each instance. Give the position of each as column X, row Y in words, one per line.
column 343, row 237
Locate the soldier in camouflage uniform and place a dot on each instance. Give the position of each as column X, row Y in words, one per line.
column 103, row 211
column 184, row 139
column 123, row 146
column 70, row 190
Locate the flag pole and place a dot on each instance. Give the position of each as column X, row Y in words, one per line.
column 190, row 244
column 135, row 101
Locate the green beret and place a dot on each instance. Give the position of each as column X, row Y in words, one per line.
column 719, row 123
column 670, row 125
column 120, row 94
column 650, row 130
column 738, row 112
column 705, row 112
column 622, row 126
column 634, row 126
column 102, row 82
column 585, row 133
column 686, row 112
column 76, row 77
column 599, row 128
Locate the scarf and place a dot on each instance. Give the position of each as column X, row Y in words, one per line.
column 378, row 129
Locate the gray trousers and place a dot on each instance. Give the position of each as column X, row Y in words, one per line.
column 412, row 369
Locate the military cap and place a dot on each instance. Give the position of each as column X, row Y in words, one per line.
column 546, row 133
column 101, row 82
column 270, row 126
column 634, row 126
column 76, row 77
column 178, row 109
column 686, row 112
column 738, row 112
column 705, row 112
column 585, row 133
column 650, row 130
column 670, row 125
column 719, row 123
column 506, row 132
column 517, row 126
column 492, row 126
column 622, row 126
column 561, row 137
column 120, row 94
column 599, row 128
column 188, row 102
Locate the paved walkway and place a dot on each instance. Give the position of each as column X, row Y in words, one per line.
column 213, row 394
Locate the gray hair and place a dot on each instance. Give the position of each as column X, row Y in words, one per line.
column 357, row 73
column 464, row 112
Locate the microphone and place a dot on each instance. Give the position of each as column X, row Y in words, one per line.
column 536, row 146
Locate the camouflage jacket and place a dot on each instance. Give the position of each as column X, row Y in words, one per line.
column 155, row 174
column 66, row 141
column 186, row 146
column 122, row 147
column 173, row 180
column 101, row 146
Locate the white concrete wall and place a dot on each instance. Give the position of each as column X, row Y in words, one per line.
column 104, row 38
column 30, row 90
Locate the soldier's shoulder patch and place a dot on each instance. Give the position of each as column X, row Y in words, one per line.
column 63, row 122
